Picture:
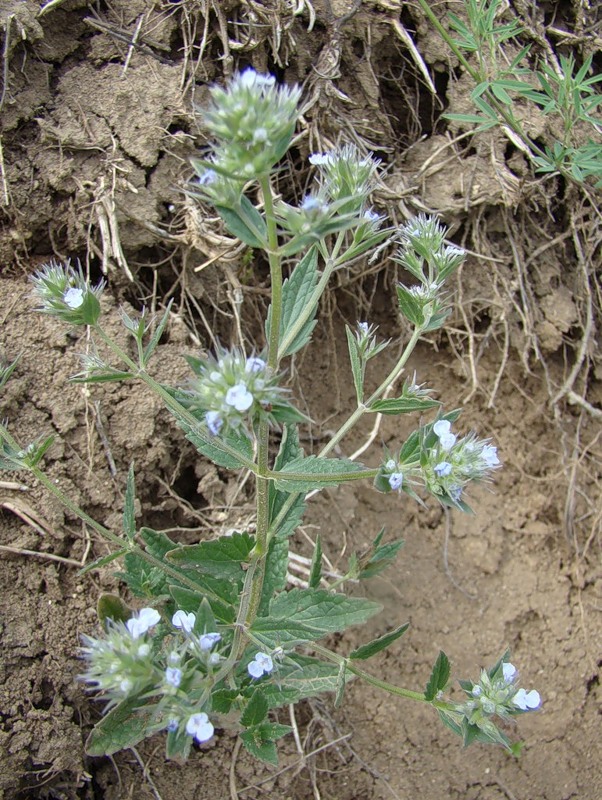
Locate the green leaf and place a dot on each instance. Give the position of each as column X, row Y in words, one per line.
column 305, row 474
column 178, row 746
column 321, row 610
column 221, row 557
column 241, row 226
column 378, row 557
column 403, row 405
column 110, row 607
column 341, row 683
column 296, row 294
column 410, row 306
column 259, row 740
column 103, row 560
column 439, row 677
column 289, row 451
column 275, row 632
column 357, row 367
column 233, row 451
column 124, row 726
column 315, row 573
column 157, row 333
column 376, row 645
column 300, row 677
column 129, row 511
column 256, row 710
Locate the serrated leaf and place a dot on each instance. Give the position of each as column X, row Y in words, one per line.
column 376, row 645
column 275, row 632
column 124, row 726
column 321, row 610
column 315, row 573
column 256, row 710
column 313, row 472
column 296, row 295
column 222, row 558
column 439, row 677
column 259, row 740
column 129, row 510
column 356, row 364
column 222, row 700
column 403, row 405
column 301, row 677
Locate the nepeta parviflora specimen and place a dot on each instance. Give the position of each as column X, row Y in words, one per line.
column 218, row 631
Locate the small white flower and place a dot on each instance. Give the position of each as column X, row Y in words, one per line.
column 214, row 422
column 442, row 429
column 142, row 621
column 443, row 469
column 260, row 136
column 174, row 657
column 207, row 640
column 74, row 297
column 509, row 671
column 199, row 726
column 320, row 159
column 126, row 685
column 143, row 650
column 489, row 456
column 527, row 701
column 477, row 691
column 261, row 665
column 249, row 78
column 396, row 480
column 214, row 659
column 363, row 328
column 371, row 216
column 173, row 676
column 313, row 204
column 391, row 465
column 255, row 364
column 184, row 621
column 239, row 397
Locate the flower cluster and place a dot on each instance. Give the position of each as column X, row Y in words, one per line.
column 234, row 391
column 441, row 462
column 496, row 693
column 64, row 293
column 128, row 663
column 252, row 120
column 346, row 177
column 425, row 255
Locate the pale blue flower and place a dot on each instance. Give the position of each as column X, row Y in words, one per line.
column 214, row 422
column 239, row 397
column 509, row 671
column 173, row 676
column 208, row 177
column 371, row 216
column 255, row 364
column 320, row 159
column 207, row 640
column 173, row 725
column 442, row 429
column 261, row 665
column 184, row 620
column 250, row 79
column 391, row 465
column 527, row 701
column 143, row 650
column 363, row 328
column 489, row 456
column 142, row 621
column 311, row 203
column 74, row 297
column 443, row 469
column 396, row 480
column 199, row 726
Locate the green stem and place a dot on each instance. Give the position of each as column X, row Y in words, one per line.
column 107, row 534
column 275, row 273
column 363, row 408
column 350, row 666
column 172, row 403
column 351, row 421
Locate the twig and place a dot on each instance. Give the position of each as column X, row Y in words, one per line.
column 232, row 773
column 21, row 551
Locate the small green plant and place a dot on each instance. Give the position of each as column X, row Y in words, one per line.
column 503, row 78
column 220, row 639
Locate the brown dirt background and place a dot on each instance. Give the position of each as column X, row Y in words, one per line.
column 95, row 137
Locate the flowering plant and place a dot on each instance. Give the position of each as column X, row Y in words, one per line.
column 220, row 636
